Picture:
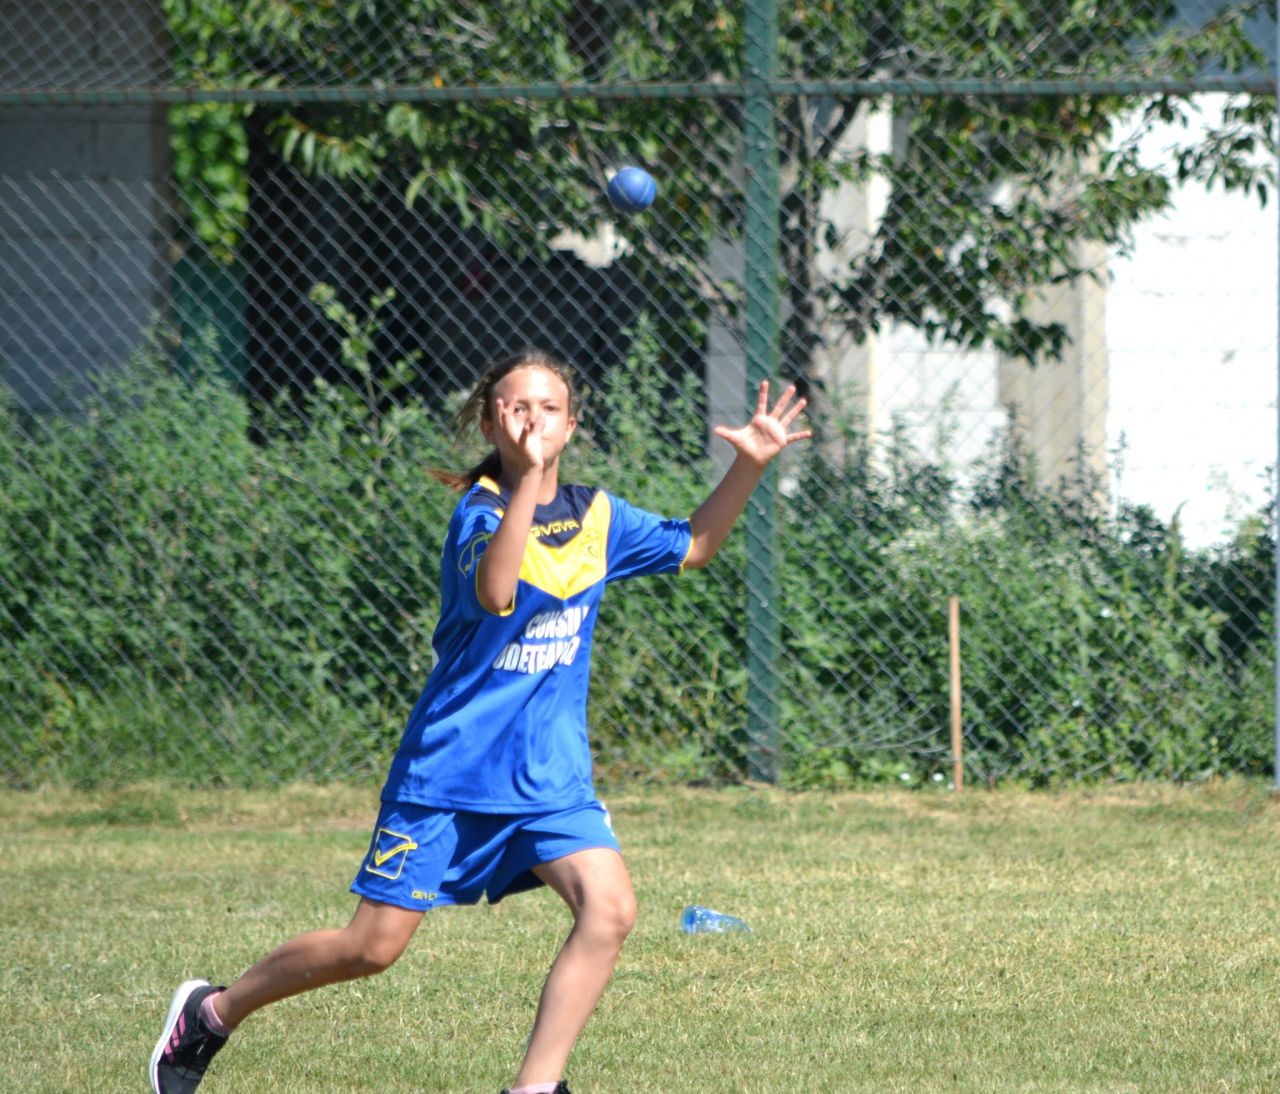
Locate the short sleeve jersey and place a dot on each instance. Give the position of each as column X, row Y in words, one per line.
column 501, row 725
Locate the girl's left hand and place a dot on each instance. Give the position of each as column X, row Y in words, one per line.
column 766, row 434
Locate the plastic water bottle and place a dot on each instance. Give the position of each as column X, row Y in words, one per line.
column 696, row 919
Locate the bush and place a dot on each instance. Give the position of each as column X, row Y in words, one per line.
column 180, row 601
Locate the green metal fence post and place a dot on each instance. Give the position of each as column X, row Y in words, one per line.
column 761, row 244
column 1276, row 488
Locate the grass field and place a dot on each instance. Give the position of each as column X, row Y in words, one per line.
column 1121, row 939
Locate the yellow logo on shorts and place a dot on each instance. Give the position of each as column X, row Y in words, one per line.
column 390, row 849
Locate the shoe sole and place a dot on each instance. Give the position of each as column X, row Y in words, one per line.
column 180, row 998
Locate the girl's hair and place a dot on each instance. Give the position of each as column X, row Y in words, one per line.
column 479, row 407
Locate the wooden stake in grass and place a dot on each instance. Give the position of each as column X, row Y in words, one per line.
column 957, row 755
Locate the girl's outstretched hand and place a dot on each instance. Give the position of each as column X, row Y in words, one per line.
column 766, row 434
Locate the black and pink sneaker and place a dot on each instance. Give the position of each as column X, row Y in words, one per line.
column 187, row 1044
column 561, row 1088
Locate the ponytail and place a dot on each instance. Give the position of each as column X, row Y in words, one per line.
column 462, row 481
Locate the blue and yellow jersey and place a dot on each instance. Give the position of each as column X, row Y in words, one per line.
column 501, row 726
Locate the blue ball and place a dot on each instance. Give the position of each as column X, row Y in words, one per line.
column 632, row 189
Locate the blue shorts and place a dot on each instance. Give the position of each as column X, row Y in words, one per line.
column 421, row 858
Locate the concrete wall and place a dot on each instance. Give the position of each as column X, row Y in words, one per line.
column 83, row 200
column 1060, row 406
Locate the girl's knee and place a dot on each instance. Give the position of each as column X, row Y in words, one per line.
column 376, row 937
column 368, row 956
column 610, row 916
column 626, row 913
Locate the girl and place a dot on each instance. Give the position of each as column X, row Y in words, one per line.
column 490, row 792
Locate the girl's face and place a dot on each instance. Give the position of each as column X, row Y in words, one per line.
column 533, row 391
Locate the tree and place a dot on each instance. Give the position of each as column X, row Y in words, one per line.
column 987, row 195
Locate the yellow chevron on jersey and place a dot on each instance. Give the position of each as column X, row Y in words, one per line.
column 577, row 565
column 569, row 568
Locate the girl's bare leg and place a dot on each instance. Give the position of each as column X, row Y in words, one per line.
column 371, row 942
column 596, row 886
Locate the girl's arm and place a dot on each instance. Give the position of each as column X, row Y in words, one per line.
column 499, row 570
column 757, row 443
column 521, row 446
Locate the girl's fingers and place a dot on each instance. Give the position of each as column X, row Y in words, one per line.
column 784, row 413
column 785, row 398
column 794, row 412
column 785, row 401
column 517, row 431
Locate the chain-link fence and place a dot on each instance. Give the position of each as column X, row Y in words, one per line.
column 251, row 254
